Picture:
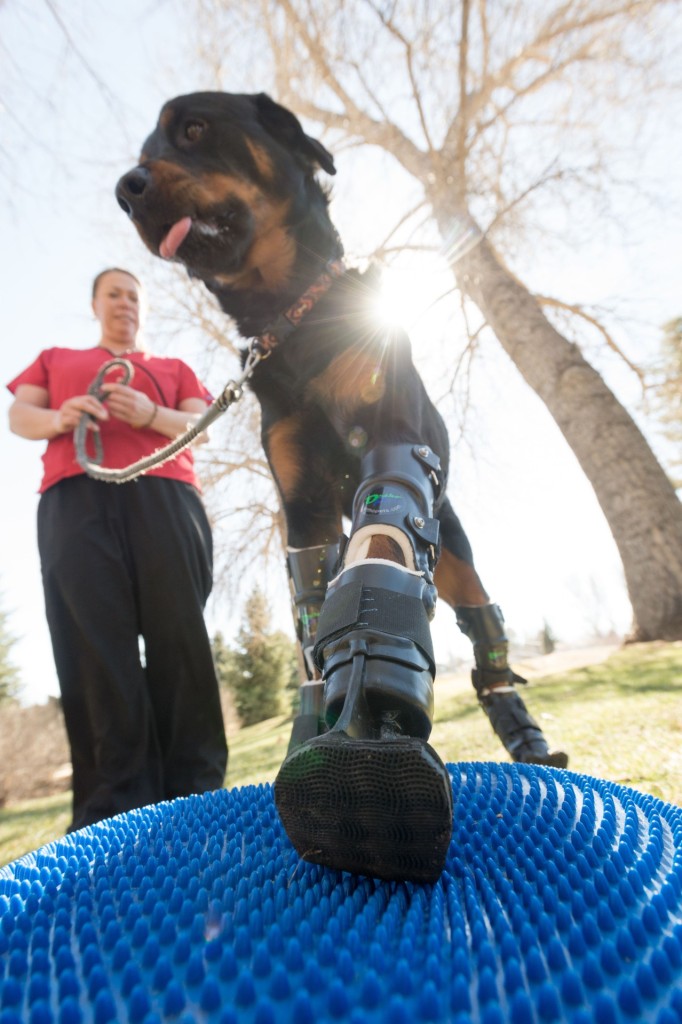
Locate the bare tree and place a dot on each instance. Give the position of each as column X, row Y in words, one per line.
column 495, row 111
column 667, row 388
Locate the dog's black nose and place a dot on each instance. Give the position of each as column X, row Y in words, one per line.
column 130, row 187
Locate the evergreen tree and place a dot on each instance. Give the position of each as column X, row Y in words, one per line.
column 223, row 659
column 9, row 674
column 547, row 638
column 260, row 669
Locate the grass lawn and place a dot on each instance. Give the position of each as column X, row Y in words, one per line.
column 26, row 826
column 619, row 720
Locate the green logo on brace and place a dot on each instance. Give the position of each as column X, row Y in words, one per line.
column 375, row 504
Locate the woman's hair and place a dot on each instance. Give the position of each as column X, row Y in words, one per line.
column 112, row 270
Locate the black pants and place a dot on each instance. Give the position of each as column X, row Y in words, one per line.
column 120, row 562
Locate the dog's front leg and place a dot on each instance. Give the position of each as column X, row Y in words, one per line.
column 371, row 795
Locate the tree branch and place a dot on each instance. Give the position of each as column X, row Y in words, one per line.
column 390, row 25
column 579, row 311
column 107, row 95
column 461, row 122
column 538, row 50
column 384, row 133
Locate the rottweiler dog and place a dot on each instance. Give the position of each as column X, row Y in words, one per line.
column 227, row 185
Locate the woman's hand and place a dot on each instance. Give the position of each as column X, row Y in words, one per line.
column 67, row 417
column 131, row 406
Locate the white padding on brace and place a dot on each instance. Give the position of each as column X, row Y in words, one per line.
column 359, row 544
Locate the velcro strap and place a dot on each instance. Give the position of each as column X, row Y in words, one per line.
column 340, row 611
column 486, row 680
column 354, row 606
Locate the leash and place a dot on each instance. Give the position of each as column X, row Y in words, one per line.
column 230, row 394
column 260, row 349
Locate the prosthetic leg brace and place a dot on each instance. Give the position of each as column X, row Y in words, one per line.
column 494, row 683
column 370, row 795
column 310, row 570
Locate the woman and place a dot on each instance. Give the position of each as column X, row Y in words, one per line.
column 124, row 562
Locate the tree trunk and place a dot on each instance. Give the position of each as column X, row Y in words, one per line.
column 637, row 498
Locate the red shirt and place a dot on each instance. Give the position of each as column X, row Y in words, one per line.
column 65, row 372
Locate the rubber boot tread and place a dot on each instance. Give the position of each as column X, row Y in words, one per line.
column 379, row 807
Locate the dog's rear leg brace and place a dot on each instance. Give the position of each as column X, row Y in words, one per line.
column 310, row 570
column 494, row 683
column 370, row 795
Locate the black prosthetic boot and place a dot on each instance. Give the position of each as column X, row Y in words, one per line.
column 495, row 683
column 370, row 795
column 310, row 570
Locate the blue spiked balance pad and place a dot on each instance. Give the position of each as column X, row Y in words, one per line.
column 561, row 900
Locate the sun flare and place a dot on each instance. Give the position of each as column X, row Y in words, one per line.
column 411, row 299
column 401, row 300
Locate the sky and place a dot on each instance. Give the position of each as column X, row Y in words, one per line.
column 74, row 114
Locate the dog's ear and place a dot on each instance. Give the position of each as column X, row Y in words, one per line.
column 286, row 128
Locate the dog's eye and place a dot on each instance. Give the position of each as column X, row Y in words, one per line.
column 194, row 130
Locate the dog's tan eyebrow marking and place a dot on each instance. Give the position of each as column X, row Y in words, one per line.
column 262, row 160
column 166, row 117
column 284, row 456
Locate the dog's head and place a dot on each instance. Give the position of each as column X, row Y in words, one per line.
column 224, row 184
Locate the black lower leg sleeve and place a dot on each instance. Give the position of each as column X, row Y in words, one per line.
column 310, row 570
column 494, row 681
column 484, row 625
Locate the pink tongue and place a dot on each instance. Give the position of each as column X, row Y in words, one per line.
column 175, row 237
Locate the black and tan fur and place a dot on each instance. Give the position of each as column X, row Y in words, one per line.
column 244, row 170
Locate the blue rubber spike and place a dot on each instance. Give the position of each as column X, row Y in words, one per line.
column 561, row 901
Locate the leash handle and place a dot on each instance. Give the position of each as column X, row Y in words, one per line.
column 81, row 432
